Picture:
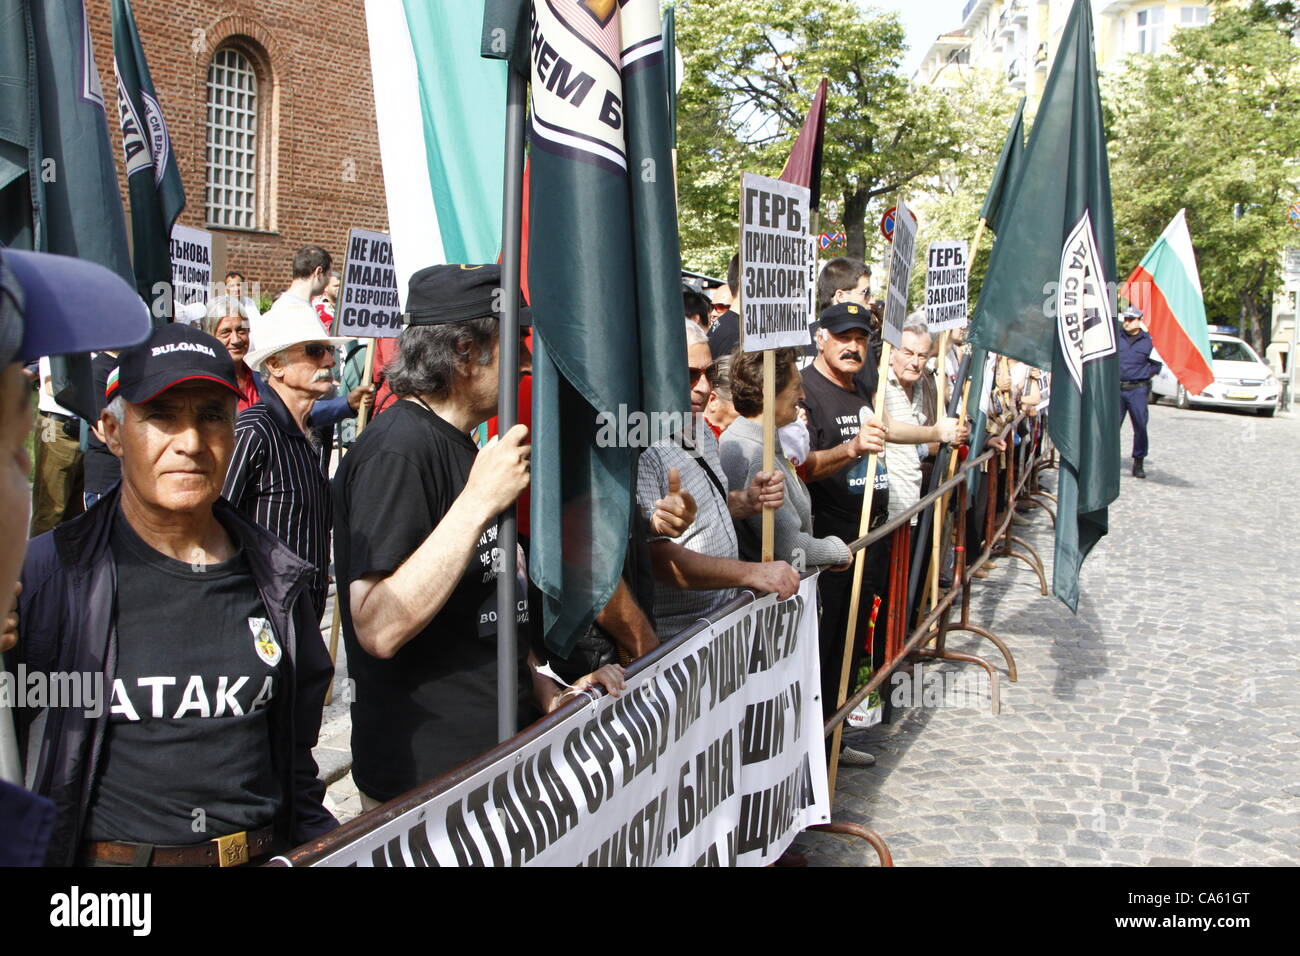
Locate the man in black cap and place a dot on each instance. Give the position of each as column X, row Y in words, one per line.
column 416, row 506
column 198, row 620
column 44, row 301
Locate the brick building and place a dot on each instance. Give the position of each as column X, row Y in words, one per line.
column 271, row 113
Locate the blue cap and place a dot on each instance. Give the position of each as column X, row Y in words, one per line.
column 58, row 305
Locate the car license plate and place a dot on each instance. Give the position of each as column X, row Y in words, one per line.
column 1242, row 396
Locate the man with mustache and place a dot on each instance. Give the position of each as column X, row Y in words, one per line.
column 278, row 472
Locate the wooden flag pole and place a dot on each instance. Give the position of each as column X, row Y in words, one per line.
column 366, row 378
column 859, row 563
column 941, row 506
column 769, row 447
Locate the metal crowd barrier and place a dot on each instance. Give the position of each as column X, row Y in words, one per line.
column 1020, row 465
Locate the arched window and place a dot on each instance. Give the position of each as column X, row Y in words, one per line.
column 232, row 141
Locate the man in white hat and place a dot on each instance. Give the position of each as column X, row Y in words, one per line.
column 278, row 472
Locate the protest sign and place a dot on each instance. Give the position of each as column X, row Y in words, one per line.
column 368, row 301
column 713, row 755
column 945, row 285
column 901, row 255
column 774, row 263
column 191, row 265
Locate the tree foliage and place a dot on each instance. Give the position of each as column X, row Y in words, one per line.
column 1213, row 125
column 752, row 68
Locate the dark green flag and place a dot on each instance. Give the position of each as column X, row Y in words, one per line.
column 1048, row 296
column 604, row 273
column 152, row 179
column 1004, row 177
column 1009, row 165
column 57, row 174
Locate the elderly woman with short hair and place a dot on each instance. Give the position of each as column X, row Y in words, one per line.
column 741, row 451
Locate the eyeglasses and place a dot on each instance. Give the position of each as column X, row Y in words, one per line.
column 316, row 350
column 720, row 307
column 697, row 373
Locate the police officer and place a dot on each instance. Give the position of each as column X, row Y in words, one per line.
column 1136, row 370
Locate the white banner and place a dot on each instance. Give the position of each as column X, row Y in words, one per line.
column 369, row 302
column 774, row 266
column 714, row 756
column 902, row 253
column 945, row 285
column 191, row 265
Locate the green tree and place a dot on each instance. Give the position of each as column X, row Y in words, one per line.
column 752, row 68
column 1214, row 126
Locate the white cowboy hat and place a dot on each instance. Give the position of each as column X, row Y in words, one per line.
column 283, row 326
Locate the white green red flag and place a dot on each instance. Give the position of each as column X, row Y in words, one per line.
column 1167, row 288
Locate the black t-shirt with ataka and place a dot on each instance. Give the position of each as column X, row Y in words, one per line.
column 433, row 704
column 834, row 418
column 187, row 757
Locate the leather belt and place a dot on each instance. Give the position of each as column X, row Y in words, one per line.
column 1129, row 386
column 231, row 850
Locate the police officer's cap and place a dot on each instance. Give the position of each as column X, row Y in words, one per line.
column 844, row 316
column 1132, row 312
column 456, row 293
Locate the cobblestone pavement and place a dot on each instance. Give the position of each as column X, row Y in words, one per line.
column 1161, row 726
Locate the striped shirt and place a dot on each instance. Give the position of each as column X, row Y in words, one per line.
column 277, row 480
column 904, row 461
column 712, row 533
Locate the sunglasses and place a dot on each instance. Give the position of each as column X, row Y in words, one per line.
column 721, row 307
column 697, row 373
column 316, row 350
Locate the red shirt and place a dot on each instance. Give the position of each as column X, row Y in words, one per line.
column 248, row 394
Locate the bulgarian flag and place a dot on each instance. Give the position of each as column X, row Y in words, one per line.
column 1167, row 288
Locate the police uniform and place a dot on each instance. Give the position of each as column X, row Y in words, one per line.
column 1136, row 369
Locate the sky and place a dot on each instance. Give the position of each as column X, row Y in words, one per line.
column 924, row 20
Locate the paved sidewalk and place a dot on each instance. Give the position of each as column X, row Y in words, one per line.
column 1161, row 726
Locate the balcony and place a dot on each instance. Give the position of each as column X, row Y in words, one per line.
column 1014, row 16
column 1016, row 74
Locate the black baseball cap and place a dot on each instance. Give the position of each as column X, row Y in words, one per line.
column 58, row 305
column 844, row 316
column 174, row 353
column 456, row 293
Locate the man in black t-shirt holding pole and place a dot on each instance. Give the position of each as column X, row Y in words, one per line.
column 416, row 505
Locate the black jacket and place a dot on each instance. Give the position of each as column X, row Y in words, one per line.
column 67, row 624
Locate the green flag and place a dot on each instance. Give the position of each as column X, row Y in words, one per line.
column 152, row 179
column 58, row 184
column 1048, row 297
column 604, row 273
column 1009, row 165
column 670, row 64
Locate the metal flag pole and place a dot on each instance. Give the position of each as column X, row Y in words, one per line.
column 512, row 224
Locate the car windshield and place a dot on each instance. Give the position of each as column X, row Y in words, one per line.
column 1230, row 352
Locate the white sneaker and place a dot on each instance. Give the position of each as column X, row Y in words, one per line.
column 856, row 758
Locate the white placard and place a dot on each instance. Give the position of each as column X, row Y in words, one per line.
column 945, row 285
column 191, row 266
column 774, row 284
column 369, row 302
column 712, row 756
column 902, row 253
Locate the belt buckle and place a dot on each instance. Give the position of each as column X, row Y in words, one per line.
column 232, row 850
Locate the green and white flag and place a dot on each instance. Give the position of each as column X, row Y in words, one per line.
column 1048, row 297
column 152, row 179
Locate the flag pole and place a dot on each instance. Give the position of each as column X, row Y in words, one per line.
column 508, row 396
column 859, row 563
column 941, row 507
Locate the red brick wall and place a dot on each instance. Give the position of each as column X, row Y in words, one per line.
column 321, row 164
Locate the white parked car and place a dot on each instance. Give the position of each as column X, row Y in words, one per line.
column 1241, row 380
